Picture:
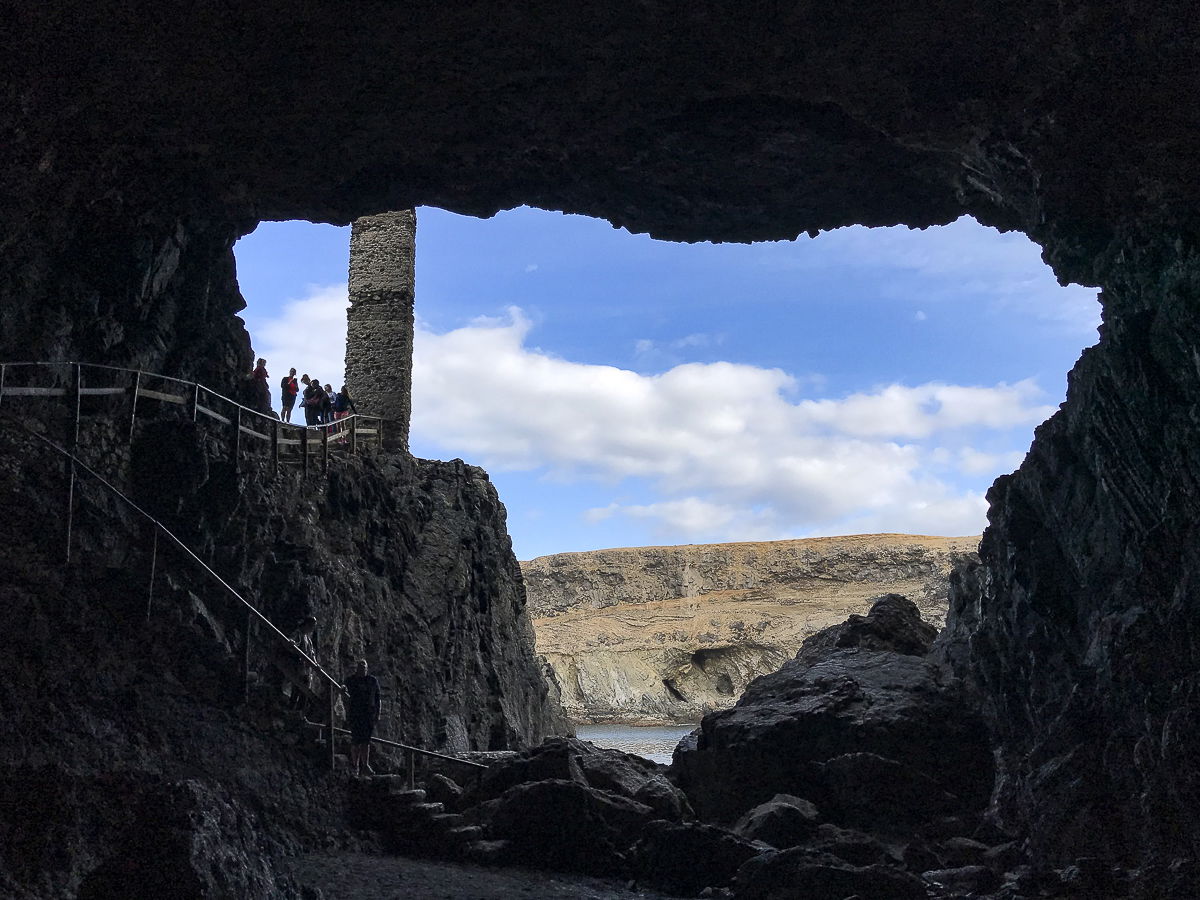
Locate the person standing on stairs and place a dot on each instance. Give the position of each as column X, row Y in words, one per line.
column 362, row 714
column 288, row 389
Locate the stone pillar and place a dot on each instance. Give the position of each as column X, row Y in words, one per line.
column 379, row 334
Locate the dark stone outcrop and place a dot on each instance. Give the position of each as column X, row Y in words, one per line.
column 567, row 826
column 570, row 759
column 875, row 738
column 684, row 858
column 136, row 733
column 783, row 821
column 138, row 141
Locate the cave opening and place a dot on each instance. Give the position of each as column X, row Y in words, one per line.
column 623, row 391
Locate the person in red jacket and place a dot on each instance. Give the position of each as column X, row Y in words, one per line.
column 288, row 389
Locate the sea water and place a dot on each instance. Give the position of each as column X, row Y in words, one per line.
column 656, row 742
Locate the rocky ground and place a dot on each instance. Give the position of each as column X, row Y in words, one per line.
column 652, row 635
column 360, row 876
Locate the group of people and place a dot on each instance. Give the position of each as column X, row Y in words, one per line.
column 321, row 404
column 361, row 690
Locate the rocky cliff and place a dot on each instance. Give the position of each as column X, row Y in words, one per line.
column 666, row 634
column 139, row 140
column 127, row 714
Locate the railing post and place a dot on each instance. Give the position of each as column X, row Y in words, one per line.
column 137, row 386
column 379, row 433
column 275, row 447
column 304, row 450
column 325, row 450
column 246, row 656
column 153, row 567
column 237, row 437
column 353, row 434
column 78, row 405
column 412, row 770
column 195, row 401
column 70, row 502
column 329, row 726
column 2, row 373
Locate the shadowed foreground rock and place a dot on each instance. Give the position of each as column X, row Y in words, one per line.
column 877, row 738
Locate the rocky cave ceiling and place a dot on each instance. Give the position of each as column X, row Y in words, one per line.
column 688, row 121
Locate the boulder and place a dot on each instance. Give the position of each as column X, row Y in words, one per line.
column 800, row 872
column 570, row 759
column 872, row 734
column 865, row 789
column 685, row 858
column 783, row 821
column 568, row 826
column 893, row 623
column 444, row 790
column 854, row 847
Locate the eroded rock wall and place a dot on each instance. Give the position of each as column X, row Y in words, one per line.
column 1079, row 628
column 667, row 634
column 114, row 703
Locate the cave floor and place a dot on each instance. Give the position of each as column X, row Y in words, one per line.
column 360, row 876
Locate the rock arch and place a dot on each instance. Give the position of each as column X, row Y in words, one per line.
column 140, row 142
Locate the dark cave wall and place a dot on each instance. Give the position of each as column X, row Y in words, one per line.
column 1080, row 627
column 140, row 140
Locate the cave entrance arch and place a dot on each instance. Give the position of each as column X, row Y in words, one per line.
column 864, row 337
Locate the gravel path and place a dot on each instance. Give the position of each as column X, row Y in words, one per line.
column 358, row 876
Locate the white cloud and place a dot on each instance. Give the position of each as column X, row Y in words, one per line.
column 532, row 267
column 726, row 451
column 309, row 334
column 967, row 260
column 920, row 315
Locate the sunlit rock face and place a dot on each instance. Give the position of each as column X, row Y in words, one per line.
column 139, row 142
column 649, row 635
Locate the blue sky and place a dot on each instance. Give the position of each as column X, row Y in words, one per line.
column 623, row 391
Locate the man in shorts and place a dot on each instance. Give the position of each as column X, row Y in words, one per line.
column 362, row 714
column 288, row 389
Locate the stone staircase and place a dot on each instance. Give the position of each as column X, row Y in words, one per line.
column 409, row 823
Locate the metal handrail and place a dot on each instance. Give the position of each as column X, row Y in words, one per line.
column 333, row 684
column 422, row 751
column 192, row 384
column 250, row 607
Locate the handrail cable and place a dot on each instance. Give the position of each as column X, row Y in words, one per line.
column 250, row 607
column 289, row 644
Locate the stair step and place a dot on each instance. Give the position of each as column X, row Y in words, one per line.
column 464, row 834
column 446, row 820
column 414, row 795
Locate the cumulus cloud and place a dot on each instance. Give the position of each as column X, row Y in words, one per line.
column 728, row 450
column 309, row 334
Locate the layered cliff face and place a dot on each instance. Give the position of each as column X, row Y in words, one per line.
column 667, row 634
column 1079, row 629
column 139, row 142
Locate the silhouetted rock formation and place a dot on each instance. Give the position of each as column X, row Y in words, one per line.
column 138, row 144
column 128, row 734
column 860, row 724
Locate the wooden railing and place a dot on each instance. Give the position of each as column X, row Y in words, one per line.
column 300, row 442
column 333, row 687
